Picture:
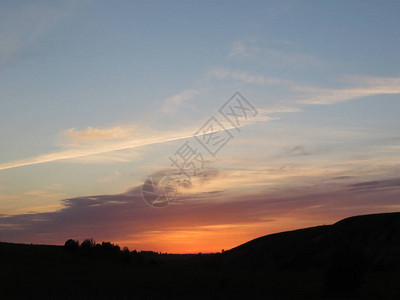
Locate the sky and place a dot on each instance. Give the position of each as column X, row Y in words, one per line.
column 96, row 96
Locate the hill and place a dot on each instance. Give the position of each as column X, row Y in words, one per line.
column 358, row 257
column 376, row 237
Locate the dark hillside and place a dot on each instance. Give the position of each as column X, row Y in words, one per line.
column 356, row 258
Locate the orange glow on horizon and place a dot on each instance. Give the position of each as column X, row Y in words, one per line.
column 214, row 238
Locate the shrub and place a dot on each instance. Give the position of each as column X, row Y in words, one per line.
column 87, row 247
column 88, row 243
column 107, row 246
column 71, row 245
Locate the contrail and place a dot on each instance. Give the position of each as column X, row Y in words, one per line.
column 75, row 153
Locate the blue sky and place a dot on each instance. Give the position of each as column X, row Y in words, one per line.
column 92, row 92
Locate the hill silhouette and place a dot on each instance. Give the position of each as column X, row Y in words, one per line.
column 355, row 258
column 377, row 236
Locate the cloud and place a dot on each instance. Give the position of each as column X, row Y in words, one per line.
column 53, row 191
column 95, row 150
column 110, row 177
column 235, row 218
column 97, row 141
column 268, row 55
column 239, row 49
column 301, row 150
column 387, row 82
column 93, row 138
column 171, row 104
column 363, row 86
column 92, row 134
column 360, row 86
column 39, row 199
column 376, row 185
column 125, row 155
column 322, row 96
column 246, row 77
column 298, row 150
column 279, row 109
column 22, row 25
column 108, row 144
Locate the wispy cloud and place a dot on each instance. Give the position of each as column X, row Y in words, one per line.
column 298, row 150
column 279, row 109
column 246, row 77
column 92, row 135
column 376, row 185
column 108, row 157
column 96, row 149
column 269, row 55
column 331, row 96
column 22, row 25
column 388, row 82
column 104, row 143
column 360, row 86
column 171, row 104
column 110, row 177
column 125, row 217
column 96, row 141
column 52, row 191
column 239, row 49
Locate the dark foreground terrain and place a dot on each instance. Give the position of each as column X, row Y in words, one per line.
column 356, row 258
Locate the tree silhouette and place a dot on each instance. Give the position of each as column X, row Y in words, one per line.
column 71, row 245
column 89, row 243
column 87, row 247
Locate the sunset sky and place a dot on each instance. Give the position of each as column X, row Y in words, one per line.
column 98, row 95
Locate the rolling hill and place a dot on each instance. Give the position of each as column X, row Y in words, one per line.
column 355, row 258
